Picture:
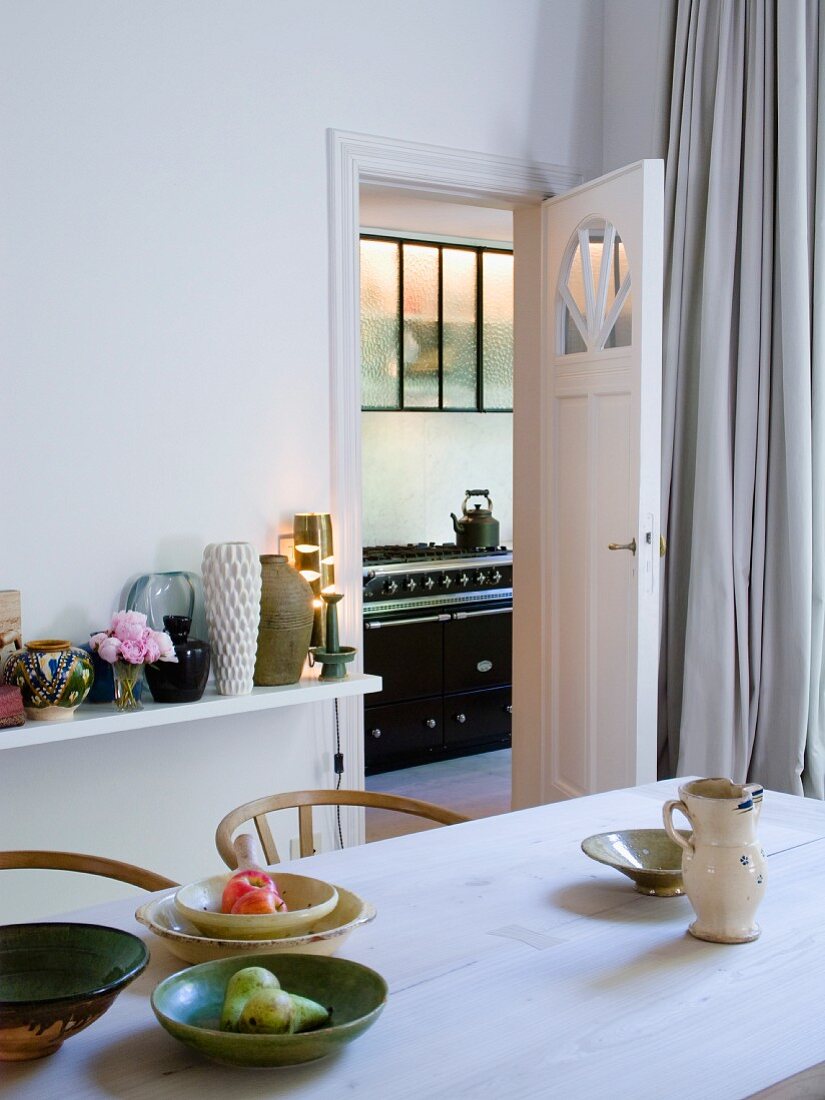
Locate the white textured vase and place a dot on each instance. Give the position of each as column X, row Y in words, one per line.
column 232, row 593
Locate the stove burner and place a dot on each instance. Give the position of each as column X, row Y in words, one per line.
column 426, row 551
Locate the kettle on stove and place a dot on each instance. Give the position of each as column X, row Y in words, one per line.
column 476, row 528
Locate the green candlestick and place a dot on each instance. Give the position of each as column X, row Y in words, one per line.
column 331, row 642
column 333, row 656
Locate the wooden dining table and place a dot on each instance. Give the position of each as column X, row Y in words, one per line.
column 518, row 967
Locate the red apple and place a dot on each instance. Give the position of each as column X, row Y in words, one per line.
column 259, row 901
column 242, row 882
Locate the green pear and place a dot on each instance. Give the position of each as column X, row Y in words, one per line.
column 267, row 1012
column 240, row 988
column 307, row 1014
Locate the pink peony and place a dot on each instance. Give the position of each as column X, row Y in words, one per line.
column 96, row 639
column 166, row 650
column 152, row 648
column 109, row 649
column 133, row 651
column 129, row 626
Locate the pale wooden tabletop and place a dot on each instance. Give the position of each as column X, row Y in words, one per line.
column 518, row 968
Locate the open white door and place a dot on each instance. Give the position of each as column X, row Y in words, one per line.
column 596, row 543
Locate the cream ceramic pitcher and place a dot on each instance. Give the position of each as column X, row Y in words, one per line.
column 723, row 865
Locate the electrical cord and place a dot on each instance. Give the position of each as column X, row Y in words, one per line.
column 339, row 769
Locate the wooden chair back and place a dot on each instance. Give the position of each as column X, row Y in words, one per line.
column 304, row 801
column 90, row 865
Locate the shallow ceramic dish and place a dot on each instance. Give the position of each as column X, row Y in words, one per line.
column 308, row 900
column 56, row 979
column 325, row 937
column 647, row 856
column 189, row 1005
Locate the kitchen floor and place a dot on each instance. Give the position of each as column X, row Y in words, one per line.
column 478, row 786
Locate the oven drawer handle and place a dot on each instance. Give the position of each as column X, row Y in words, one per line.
column 486, row 611
column 378, row 625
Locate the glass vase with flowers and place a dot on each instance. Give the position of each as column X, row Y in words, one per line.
column 128, row 645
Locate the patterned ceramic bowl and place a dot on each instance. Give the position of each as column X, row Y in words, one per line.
column 56, row 979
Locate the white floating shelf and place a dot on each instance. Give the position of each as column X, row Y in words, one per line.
column 91, row 720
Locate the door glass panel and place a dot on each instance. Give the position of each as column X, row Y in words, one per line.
column 420, row 347
column 621, row 334
column 573, row 341
column 497, row 346
column 594, row 299
column 380, row 333
column 459, row 328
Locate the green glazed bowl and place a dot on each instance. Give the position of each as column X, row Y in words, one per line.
column 56, row 979
column 647, row 856
column 189, row 1005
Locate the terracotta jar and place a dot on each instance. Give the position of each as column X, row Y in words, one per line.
column 286, row 622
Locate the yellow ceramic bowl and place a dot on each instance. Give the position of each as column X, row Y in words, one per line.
column 308, row 899
column 647, row 856
column 326, row 936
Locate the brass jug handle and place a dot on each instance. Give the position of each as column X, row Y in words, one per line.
column 672, row 832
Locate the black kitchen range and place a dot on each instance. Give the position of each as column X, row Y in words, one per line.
column 438, row 629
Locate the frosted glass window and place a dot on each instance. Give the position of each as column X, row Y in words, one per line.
column 497, row 345
column 380, row 331
column 436, row 325
column 595, row 298
column 459, row 329
column 420, row 349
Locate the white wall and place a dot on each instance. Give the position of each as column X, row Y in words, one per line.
column 163, row 322
column 417, row 467
column 638, row 55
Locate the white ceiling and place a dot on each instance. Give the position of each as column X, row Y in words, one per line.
column 404, row 212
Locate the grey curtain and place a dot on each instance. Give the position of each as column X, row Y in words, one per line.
column 744, row 411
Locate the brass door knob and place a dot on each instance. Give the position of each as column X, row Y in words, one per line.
column 631, row 546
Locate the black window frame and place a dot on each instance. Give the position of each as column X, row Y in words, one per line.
column 440, row 244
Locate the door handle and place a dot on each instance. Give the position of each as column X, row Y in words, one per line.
column 631, row 546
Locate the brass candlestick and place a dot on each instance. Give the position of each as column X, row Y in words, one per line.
column 314, row 560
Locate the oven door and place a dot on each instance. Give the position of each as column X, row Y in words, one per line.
column 406, row 651
column 478, row 649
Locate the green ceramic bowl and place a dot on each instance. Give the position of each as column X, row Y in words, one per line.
column 647, row 856
column 189, row 1005
column 56, row 979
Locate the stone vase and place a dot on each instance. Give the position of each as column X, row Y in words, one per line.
column 232, row 591
column 287, row 616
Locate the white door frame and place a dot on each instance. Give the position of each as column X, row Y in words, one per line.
column 353, row 159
